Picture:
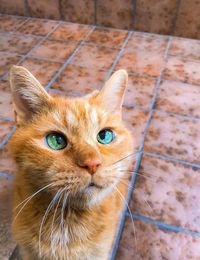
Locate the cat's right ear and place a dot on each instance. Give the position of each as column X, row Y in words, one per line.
column 29, row 97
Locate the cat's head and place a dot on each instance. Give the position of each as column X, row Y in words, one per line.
column 74, row 145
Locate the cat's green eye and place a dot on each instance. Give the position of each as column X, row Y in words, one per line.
column 56, row 141
column 105, row 136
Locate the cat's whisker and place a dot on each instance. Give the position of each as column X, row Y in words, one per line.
column 126, row 157
column 53, row 242
column 34, row 194
column 143, row 174
column 133, row 224
column 29, row 199
column 51, row 204
column 147, row 203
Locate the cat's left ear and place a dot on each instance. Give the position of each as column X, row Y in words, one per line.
column 29, row 97
column 111, row 96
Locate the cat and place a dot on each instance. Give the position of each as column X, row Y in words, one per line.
column 72, row 156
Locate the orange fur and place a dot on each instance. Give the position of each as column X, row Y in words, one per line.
column 85, row 227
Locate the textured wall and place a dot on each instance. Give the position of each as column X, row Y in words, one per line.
column 175, row 17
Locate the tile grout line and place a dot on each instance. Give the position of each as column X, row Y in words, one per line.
column 6, row 138
column 192, row 118
column 6, row 175
column 21, row 24
column 121, row 50
column 163, row 225
column 171, row 159
column 36, row 45
column 69, row 59
column 140, row 152
column 124, row 211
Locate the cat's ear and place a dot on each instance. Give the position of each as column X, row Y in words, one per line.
column 29, row 97
column 111, row 96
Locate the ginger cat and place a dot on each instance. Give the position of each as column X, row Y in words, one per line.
column 72, row 155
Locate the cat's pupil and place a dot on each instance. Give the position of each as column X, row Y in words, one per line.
column 59, row 139
column 102, row 134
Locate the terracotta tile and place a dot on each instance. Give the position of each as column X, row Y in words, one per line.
column 78, row 81
column 6, row 163
column 174, row 136
column 187, row 48
column 54, row 50
column 17, row 43
column 6, row 109
column 178, row 68
column 155, row 16
column 42, row 70
column 10, row 23
column 135, row 119
column 147, row 42
column 70, row 31
column 7, row 60
column 7, row 244
column 8, row 7
column 178, row 97
column 156, row 243
column 121, row 15
column 168, row 192
column 140, row 90
column 141, row 62
column 188, row 22
column 107, row 37
column 78, row 11
column 44, row 9
column 38, row 27
column 5, row 128
column 95, row 57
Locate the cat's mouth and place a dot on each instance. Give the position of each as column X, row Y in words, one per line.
column 94, row 185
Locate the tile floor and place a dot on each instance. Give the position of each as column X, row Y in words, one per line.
column 161, row 109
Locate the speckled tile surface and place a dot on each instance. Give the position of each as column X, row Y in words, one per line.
column 107, row 37
column 38, row 27
column 135, row 119
column 7, row 59
column 7, row 245
column 70, row 31
column 155, row 243
column 5, row 127
column 141, row 62
column 39, row 69
column 147, row 42
column 181, row 69
column 185, row 48
column 54, row 50
column 17, row 43
column 168, row 192
column 6, row 109
column 161, row 110
column 174, row 136
column 10, row 24
column 140, row 90
column 95, row 56
column 179, row 97
column 75, row 80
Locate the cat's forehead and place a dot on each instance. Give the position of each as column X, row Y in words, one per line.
column 79, row 113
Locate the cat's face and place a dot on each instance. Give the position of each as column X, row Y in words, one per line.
column 76, row 145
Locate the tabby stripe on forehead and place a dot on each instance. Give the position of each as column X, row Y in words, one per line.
column 94, row 116
column 71, row 119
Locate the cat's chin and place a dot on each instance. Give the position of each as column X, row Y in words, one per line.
column 94, row 194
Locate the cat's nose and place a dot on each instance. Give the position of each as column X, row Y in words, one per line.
column 91, row 165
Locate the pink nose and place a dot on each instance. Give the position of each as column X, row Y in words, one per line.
column 91, row 165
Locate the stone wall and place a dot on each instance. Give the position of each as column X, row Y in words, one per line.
column 174, row 17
